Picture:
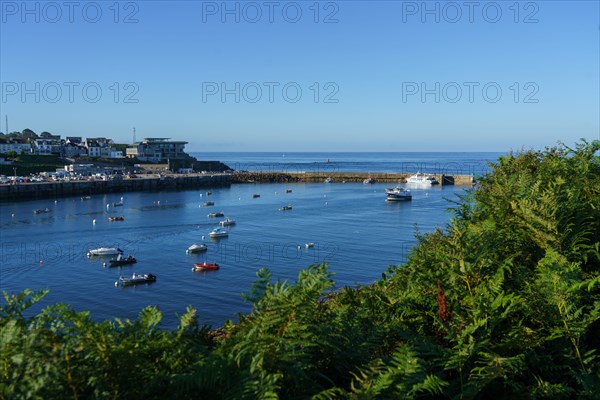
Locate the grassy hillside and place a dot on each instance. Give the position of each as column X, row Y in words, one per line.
column 503, row 303
column 27, row 164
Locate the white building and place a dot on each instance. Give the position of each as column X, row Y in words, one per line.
column 157, row 150
column 16, row 146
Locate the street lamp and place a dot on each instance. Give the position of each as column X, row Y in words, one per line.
column 15, row 174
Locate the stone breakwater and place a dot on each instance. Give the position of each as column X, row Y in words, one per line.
column 191, row 181
column 392, row 178
column 88, row 187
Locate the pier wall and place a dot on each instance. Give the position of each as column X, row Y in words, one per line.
column 83, row 188
column 382, row 177
column 190, row 181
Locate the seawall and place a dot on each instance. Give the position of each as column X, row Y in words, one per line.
column 40, row 190
column 392, row 178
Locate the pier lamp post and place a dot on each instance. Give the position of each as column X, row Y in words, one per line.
column 15, row 174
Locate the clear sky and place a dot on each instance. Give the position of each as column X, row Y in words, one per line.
column 306, row 75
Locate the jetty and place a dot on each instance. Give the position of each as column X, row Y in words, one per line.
column 312, row 177
column 155, row 182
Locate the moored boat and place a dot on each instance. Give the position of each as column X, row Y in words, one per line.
column 218, row 233
column 119, row 218
column 422, row 179
column 105, row 251
column 286, row 207
column 255, row 196
column 209, row 203
column 227, row 222
column 118, row 204
column 120, row 260
column 398, row 194
column 369, row 181
column 135, row 279
column 205, row 267
column 197, row 248
column 216, row 214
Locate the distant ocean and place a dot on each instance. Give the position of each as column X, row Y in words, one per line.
column 351, row 225
column 431, row 162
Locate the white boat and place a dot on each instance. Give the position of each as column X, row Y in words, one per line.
column 422, row 179
column 398, row 194
column 196, row 248
column 309, row 245
column 286, row 207
column 328, row 180
column 218, row 233
column 105, row 251
column 227, row 222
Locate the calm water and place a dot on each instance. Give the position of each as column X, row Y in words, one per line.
column 436, row 162
column 353, row 228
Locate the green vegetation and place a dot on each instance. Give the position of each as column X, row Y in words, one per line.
column 503, row 303
column 29, row 164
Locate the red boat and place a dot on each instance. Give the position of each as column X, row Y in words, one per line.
column 205, row 267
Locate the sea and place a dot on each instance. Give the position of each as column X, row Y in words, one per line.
column 353, row 229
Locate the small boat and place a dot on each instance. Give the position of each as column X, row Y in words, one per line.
column 309, row 245
column 216, row 214
column 398, row 194
column 120, row 260
column 369, row 181
column 209, row 203
column 205, row 267
column 86, row 197
column 135, row 279
column 196, row 248
column 119, row 218
column 328, row 180
column 286, row 207
column 105, row 251
column 255, row 196
column 288, row 190
column 208, row 193
column 44, row 211
column 118, row 204
column 422, row 179
column 227, row 222
column 218, row 233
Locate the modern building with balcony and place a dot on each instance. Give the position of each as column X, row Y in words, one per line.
column 157, row 150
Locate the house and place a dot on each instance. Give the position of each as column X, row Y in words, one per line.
column 73, row 140
column 14, row 144
column 47, row 146
column 157, row 150
column 94, row 146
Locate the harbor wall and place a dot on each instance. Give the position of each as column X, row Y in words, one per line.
column 189, row 181
column 88, row 187
column 382, row 177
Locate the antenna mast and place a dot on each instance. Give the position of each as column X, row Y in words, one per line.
column 134, row 135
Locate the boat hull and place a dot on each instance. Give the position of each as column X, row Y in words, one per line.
column 137, row 279
column 205, row 267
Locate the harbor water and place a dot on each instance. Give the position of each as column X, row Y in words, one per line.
column 352, row 227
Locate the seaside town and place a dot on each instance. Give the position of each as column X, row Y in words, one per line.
column 28, row 157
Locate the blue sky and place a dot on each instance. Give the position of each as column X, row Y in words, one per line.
column 305, row 76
